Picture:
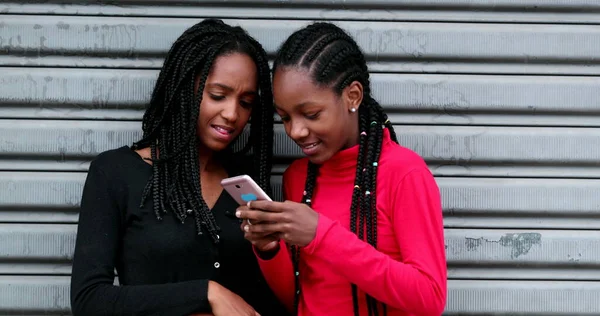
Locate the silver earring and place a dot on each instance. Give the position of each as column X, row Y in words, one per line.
column 352, row 110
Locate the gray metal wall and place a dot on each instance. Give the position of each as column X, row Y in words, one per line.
column 501, row 97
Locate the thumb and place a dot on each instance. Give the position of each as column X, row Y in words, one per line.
column 272, row 244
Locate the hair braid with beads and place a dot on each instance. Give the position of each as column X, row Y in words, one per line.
column 170, row 122
column 333, row 59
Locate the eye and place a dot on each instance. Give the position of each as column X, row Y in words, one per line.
column 217, row 97
column 247, row 104
column 284, row 118
column 312, row 116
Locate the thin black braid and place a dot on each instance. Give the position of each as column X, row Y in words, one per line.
column 264, row 124
column 357, row 193
column 334, row 60
column 307, row 199
column 369, row 209
column 170, row 122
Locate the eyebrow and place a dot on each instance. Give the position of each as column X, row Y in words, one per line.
column 228, row 88
column 299, row 105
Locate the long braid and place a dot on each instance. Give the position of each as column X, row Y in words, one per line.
column 170, row 122
column 334, row 60
column 309, row 187
column 357, row 193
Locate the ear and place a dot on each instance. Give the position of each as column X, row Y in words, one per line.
column 352, row 95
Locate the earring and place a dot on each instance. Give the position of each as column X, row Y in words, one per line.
column 352, row 110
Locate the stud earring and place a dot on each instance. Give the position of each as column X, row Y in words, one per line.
column 352, row 110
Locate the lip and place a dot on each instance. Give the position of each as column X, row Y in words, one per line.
column 223, row 132
column 311, row 148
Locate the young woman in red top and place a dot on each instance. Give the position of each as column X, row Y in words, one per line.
column 361, row 230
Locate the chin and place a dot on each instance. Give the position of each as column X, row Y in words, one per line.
column 218, row 147
column 319, row 159
column 215, row 146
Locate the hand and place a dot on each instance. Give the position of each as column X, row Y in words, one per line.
column 223, row 302
column 263, row 242
column 296, row 223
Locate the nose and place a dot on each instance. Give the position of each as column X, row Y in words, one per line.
column 230, row 111
column 297, row 130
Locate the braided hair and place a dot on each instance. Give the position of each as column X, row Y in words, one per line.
column 170, row 122
column 333, row 59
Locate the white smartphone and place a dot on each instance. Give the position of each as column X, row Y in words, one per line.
column 243, row 189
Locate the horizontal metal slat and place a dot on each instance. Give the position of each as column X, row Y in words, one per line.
column 35, row 268
column 534, row 11
column 75, row 93
column 26, row 191
column 520, row 203
column 575, row 5
column 522, row 298
column 35, row 295
column 408, row 98
column 37, row 242
column 450, row 151
column 522, row 254
column 467, row 202
column 471, row 253
column 395, row 46
column 411, row 66
column 50, row 296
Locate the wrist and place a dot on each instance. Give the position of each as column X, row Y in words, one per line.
column 269, row 253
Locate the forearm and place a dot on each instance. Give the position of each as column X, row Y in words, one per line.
column 278, row 271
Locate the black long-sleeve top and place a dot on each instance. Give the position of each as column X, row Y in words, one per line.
column 163, row 266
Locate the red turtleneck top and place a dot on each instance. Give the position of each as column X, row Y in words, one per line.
column 407, row 271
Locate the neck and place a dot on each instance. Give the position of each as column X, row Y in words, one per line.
column 207, row 160
column 354, row 139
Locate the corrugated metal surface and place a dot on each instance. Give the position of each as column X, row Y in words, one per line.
column 500, row 97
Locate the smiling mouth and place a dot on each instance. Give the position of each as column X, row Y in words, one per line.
column 310, row 149
column 223, row 129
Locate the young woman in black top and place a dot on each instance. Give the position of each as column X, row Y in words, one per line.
column 156, row 212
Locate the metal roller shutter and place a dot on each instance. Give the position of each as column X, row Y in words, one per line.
column 500, row 97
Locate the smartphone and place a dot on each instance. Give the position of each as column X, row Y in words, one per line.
column 243, row 189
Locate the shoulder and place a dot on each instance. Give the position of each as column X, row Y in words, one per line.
column 112, row 157
column 296, row 170
column 115, row 162
column 294, row 179
column 399, row 161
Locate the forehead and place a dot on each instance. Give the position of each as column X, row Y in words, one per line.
column 293, row 87
column 234, row 69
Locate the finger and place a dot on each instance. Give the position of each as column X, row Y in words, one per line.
column 259, row 237
column 271, row 245
column 242, row 208
column 265, row 245
column 265, row 228
column 258, row 216
column 270, row 206
column 245, row 208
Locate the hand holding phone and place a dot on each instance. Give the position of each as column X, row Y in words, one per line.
column 243, row 189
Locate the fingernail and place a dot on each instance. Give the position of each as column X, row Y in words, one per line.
column 238, row 214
